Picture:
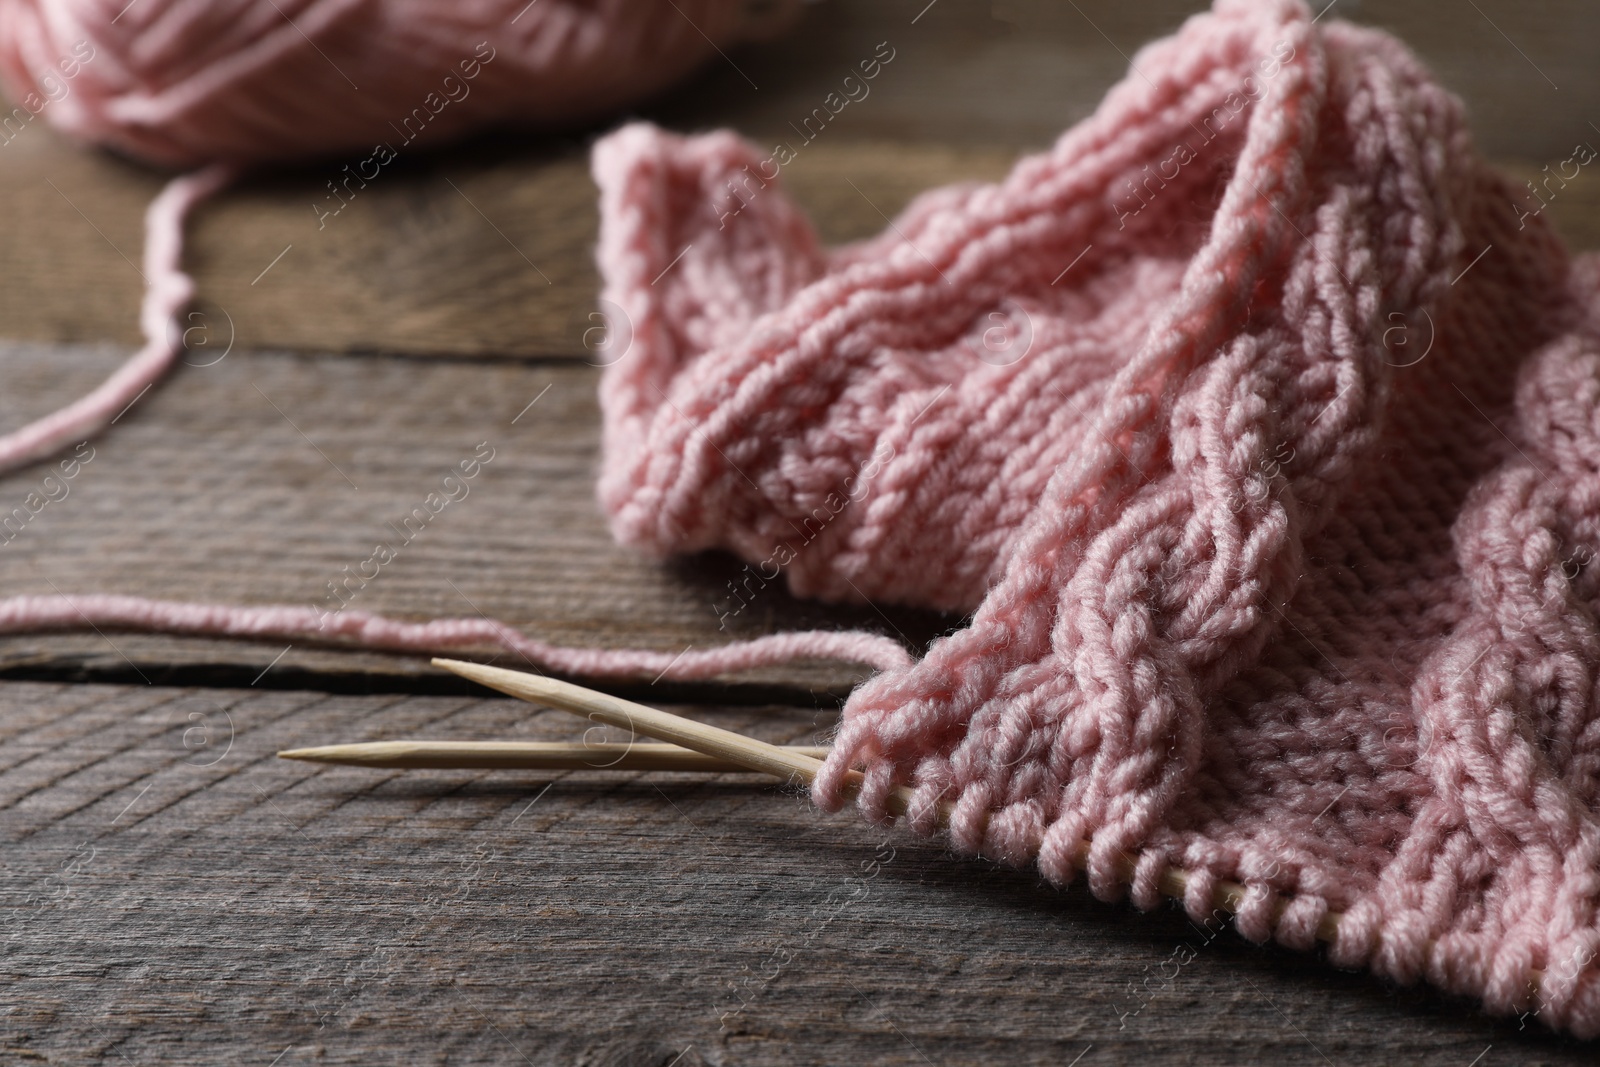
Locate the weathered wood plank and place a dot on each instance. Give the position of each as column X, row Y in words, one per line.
column 485, row 252
column 1017, row 72
column 412, row 266
column 172, row 893
column 260, row 479
column 485, row 249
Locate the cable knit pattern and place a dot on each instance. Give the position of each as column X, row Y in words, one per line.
column 1254, row 594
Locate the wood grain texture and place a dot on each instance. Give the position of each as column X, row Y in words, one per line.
column 484, row 251
column 487, row 255
column 174, row 894
column 1015, row 73
column 259, row 479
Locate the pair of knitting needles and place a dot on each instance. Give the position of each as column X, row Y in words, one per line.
column 690, row 746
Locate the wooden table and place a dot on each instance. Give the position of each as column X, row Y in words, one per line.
column 175, row 894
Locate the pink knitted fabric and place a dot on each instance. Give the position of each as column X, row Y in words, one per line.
column 1254, row 593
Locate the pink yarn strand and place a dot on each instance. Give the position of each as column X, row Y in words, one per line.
column 168, row 291
column 32, row 614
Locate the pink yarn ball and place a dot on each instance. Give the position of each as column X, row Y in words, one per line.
column 242, row 81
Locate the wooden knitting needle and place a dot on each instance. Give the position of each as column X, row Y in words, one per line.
column 527, row 755
column 782, row 763
column 792, row 766
column 721, row 744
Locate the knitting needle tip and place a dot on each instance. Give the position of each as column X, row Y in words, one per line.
column 528, row 756
column 713, row 741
